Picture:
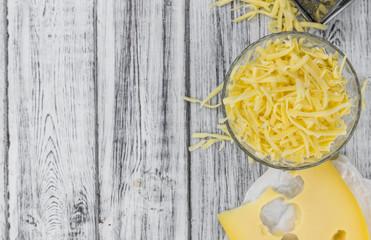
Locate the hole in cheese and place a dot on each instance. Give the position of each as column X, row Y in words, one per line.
column 278, row 216
column 290, row 236
column 290, row 186
column 340, row 235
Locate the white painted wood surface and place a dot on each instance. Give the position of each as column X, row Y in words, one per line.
column 51, row 94
column 91, row 97
column 143, row 157
column 3, row 123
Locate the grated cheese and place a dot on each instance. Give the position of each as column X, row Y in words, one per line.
column 209, row 143
column 193, row 100
column 207, row 99
column 212, row 94
column 223, row 128
column 197, row 145
column 213, row 135
column 283, row 12
column 363, row 92
column 296, row 117
column 209, row 139
column 222, row 145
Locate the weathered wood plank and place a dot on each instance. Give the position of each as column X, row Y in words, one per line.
column 219, row 180
column 351, row 32
column 3, row 122
column 142, row 151
column 51, row 120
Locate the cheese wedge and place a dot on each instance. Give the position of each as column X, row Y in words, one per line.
column 326, row 208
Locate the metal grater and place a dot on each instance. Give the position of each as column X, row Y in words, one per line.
column 321, row 11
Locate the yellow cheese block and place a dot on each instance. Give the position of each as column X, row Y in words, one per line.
column 326, row 207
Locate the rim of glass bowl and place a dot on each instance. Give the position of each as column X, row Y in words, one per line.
column 298, row 34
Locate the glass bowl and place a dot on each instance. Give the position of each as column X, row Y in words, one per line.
column 353, row 89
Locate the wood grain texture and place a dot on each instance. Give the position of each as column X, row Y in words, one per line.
column 51, row 120
column 351, row 32
column 219, row 180
column 3, row 122
column 142, row 151
column 130, row 118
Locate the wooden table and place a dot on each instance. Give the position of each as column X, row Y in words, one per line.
column 94, row 131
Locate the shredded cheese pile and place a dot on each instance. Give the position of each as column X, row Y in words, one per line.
column 284, row 13
column 288, row 101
